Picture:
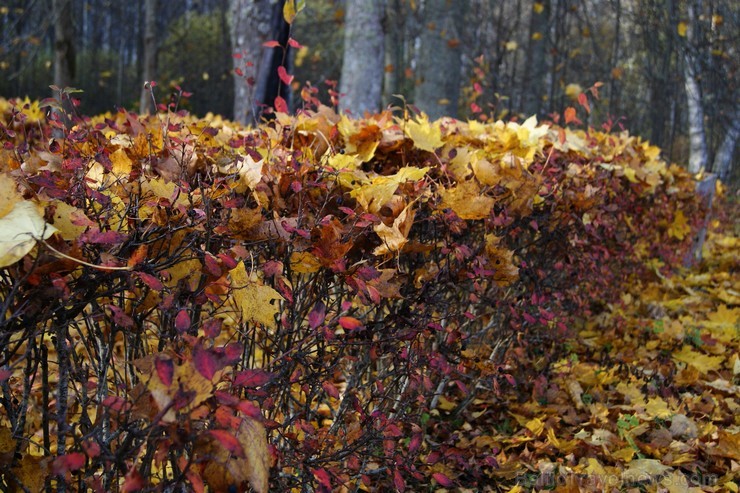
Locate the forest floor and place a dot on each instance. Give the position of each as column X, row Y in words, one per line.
column 646, row 397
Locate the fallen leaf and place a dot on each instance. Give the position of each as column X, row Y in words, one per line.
column 19, row 230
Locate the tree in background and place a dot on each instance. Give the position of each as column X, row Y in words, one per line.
column 256, row 84
column 150, row 53
column 439, row 60
column 702, row 46
column 364, row 53
column 535, row 70
column 64, row 43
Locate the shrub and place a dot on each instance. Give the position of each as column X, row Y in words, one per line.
column 342, row 286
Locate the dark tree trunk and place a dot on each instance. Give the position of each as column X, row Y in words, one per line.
column 150, row 54
column 536, row 71
column 439, row 60
column 254, row 22
column 64, row 47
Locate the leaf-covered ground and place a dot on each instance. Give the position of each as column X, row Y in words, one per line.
column 646, row 398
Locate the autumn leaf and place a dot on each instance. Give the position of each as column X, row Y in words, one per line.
column 702, row 362
column 501, row 260
column 227, row 439
column 395, row 237
column 679, row 228
column 20, row 229
column 467, row 201
column 426, row 136
column 350, row 323
column 254, row 301
column 70, row 462
column 378, row 192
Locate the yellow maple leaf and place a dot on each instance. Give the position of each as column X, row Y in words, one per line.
column 658, row 408
column 705, row 364
column 680, row 227
column 724, row 315
column 466, row 200
column 65, row 217
column 252, row 299
column 426, row 136
column 378, row 192
column 536, row 426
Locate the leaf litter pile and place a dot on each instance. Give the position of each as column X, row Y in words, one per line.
column 333, row 304
column 645, row 398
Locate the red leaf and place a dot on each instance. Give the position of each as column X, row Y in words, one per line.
column 227, row 260
column 5, row 374
column 196, row 482
column 398, row 481
column 165, row 370
column 212, row 266
column 229, row 441
column 317, row 315
column 330, row 389
column 443, row 480
column 182, row 321
column 583, row 101
column 349, row 323
column 151, row 281
column 294, row 44
column 284, row 76
column 280, row 105
column 120, row 317
column 250, row 410
column 252, row 378
column 205, row 362
column 414, row 443
column 322, row 476
column 104, row 238
column 133, row 481
column 212, row 327
column 115, row 403
column 70, row 462
column 91, row 448
column 271, row 44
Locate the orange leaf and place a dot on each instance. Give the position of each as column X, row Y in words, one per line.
column 349, row 323
column 570, row 115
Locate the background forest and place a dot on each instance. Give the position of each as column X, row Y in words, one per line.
column 664, row 63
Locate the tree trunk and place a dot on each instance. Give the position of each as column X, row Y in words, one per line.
column 395, row 21
column 269, row 86
column 698, row 154
column 535, row 72
column 251, row 26
column 64, row 48
column 362, row 66
column 439, row 58
column 724, row 159
column 150, row 54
